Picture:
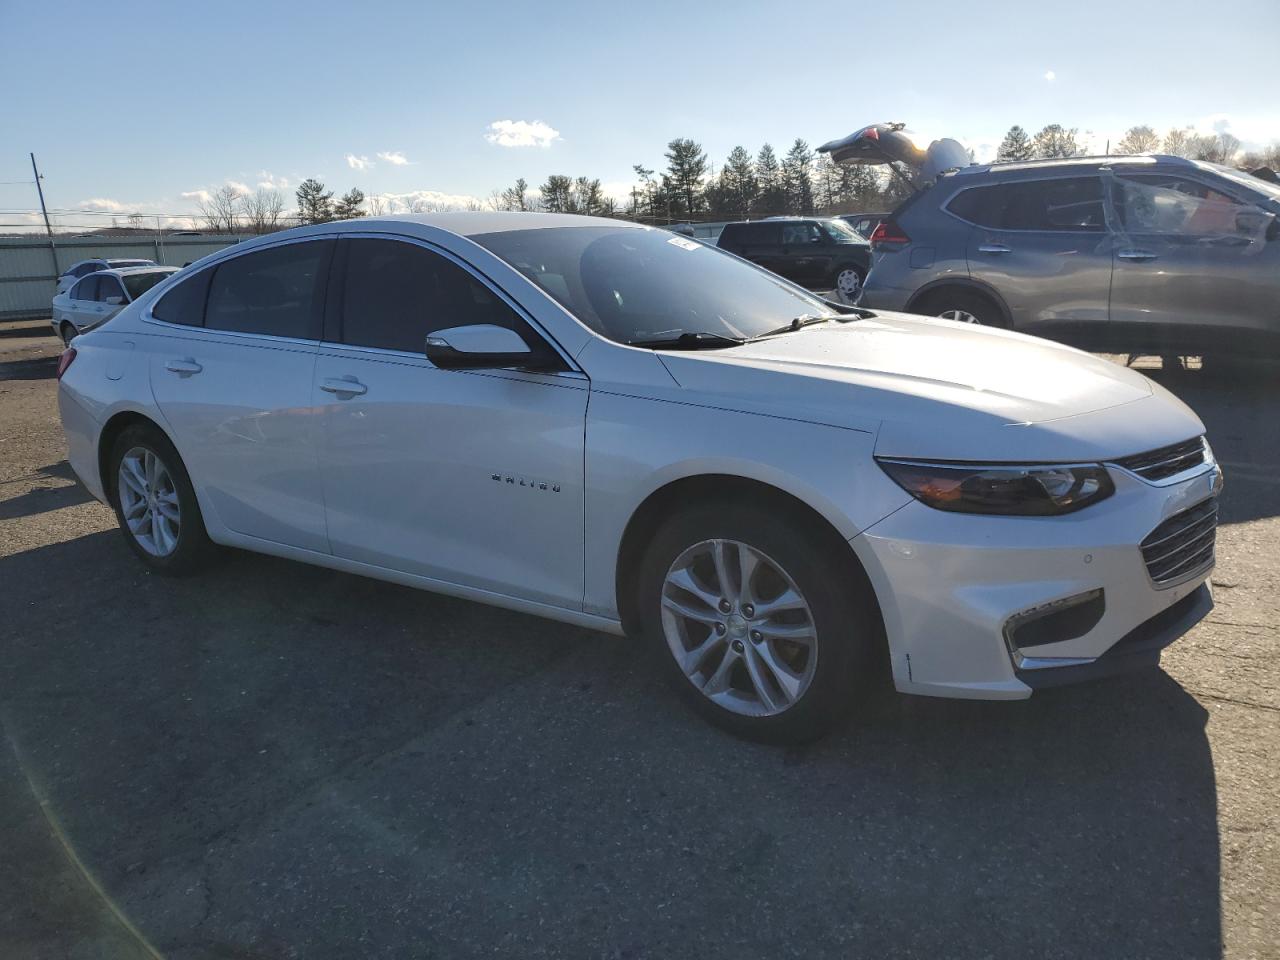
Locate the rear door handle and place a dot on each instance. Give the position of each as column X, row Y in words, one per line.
column 993, row 248
column 351, row 387
column 185, row 366
column 1140, row 255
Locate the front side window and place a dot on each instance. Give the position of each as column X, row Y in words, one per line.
column 276, row 292
column 1161, row 204
column 799, row 234
column 395, row 294
column 109, row 287
column 635, row 284
column 184, row 303
column 136, row 284
column 86, row 289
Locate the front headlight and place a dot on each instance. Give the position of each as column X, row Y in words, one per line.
column 1009, row 489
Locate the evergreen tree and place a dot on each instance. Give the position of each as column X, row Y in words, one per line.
column 772, row 196
column 315, row 204
column 349, row 207
column 557, row 194
column 1016, row 145
column 587, row 197
column 797, row 175
column 514, row 198
column 1054, row 141
column 686, row 168
column 738, row 183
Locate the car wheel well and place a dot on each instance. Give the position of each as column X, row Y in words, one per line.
column 917, row 303
column 107, row 439
column 719, row 488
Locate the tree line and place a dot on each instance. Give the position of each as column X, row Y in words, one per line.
column 691, row 187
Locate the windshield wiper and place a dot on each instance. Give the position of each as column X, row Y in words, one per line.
column 688, row 341
column 804, row 320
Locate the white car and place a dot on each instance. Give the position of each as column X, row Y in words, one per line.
column 95, row 299
column 619, row 428
column 83, row 268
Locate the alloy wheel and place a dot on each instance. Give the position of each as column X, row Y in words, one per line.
column 739, row 628
column 848, row 283
column 964, row 316
column 149, row 501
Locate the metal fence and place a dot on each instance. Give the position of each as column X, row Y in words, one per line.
column 30, row 266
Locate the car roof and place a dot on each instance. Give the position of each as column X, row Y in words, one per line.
column 133, row 271
column 1072, row 163
column 468, row 223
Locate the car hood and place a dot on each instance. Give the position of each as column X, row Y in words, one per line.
column 941, row 389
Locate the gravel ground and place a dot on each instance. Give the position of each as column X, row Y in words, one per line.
column 277, row 761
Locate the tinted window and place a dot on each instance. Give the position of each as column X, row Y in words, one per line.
column 277, row 292
column 185, row 302
column 110, row 287
column 139, row 283
column 801, row 233
column 85, row 269
column 1073, row 203
column 634, row 284
column 86, row 289
column 397, row 293
column 762, row 233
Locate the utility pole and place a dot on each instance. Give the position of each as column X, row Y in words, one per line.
column 53, row 251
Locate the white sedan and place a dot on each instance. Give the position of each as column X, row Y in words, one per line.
column 102, row 294
column 611, row 426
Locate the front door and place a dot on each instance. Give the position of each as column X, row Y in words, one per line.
column 806, row 253
column 468, row 477
column 233, row 381
column 1194, row 269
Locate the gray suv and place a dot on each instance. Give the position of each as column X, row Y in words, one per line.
column 1154, row 255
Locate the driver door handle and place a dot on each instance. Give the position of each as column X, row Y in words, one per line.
column 1139, row 255
column 186, row 366
column 352, row 387
column 993, row 248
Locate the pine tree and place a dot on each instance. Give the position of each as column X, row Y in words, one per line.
column 1016, row 145
column 1054, row 141
column 587, row 197
column 557, row 194
column 514, row 198
column 773, row 198
column 349, row 207
column 686, row 168
column 797, row 175
column 739, row 190
column 315, row 204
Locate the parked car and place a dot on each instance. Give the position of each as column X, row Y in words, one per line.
column 815, row 252
column 609, row 425
column 864, row 223
column 98, row 297
column 83, row 268
column 1128, row 254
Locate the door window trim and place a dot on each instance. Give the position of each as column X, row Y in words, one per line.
column 267, row 338
column 1075, row 175
column 333, row 318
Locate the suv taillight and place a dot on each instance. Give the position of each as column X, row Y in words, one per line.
column 64, row 361
column 888, row 235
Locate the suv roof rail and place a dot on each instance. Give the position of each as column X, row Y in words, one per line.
column 1093, row 160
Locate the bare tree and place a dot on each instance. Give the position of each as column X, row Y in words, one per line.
column 1216, row 148
column 377, row 206
column 1139, row 139
column 135, row 221
column 1177, row 143
column 221, row 211
column 263, row 211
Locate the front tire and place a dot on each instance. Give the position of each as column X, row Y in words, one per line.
column 762, row 630
column 155, row 502
column 965, row 306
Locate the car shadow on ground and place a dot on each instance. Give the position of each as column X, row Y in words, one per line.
column 45, row 498
column 273, row 759
column 39, row 368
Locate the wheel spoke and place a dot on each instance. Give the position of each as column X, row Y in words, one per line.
column 720, row 556
column 692, row 659
column 748, row 563
column 760, row 682
column 718, row 682
column 131, row 474
column 786, row 631
column 683, row 580
column 787, row 600
column 790, row 682
column 168, row 504
column 135, row 509
column 690, row 611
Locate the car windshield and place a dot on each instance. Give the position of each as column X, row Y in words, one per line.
column 841, row 232
column 139, row 283
column 639, row 284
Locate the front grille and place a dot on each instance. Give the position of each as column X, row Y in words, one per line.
column 1166, row 461
column 1182, row 546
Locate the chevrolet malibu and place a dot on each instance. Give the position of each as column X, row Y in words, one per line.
column 620, row 428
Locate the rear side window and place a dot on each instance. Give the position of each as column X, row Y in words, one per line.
column 801, row 233
column 110, row 287
column 276, row 292
column 86, row 289
column 185, row 302
column 395, row 294
column 1065, row 204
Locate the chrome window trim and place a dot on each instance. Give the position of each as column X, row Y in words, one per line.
column 492, row 286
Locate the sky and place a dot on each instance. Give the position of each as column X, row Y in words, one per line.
column 139, row 107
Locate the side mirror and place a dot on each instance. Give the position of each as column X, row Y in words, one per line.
column 477, row 347
column 114, row 301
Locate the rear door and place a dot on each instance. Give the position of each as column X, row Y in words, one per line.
column 761, row 243
column 111, row 297
column 470, row 477
column 1192, row 263
column 232, row 354
column 85, row 306
column 1043, row 246
column 806, row 253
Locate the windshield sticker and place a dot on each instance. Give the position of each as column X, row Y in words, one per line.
column 684, row 243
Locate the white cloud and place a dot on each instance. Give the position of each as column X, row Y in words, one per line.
column 103, row 205
column 241, row 189
column 393, row 157
column 521, row 133
column 1050, row 76
column 358, row 163
column 269, row 181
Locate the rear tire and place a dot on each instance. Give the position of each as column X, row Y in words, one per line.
column 847, row 283
column 782, row 660
column 155, row 502
column 67, row 332
column 965, row 306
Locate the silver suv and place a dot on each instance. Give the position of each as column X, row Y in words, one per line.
column 1154, row 255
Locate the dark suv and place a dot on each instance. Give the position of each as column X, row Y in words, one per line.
column 816, row 252
column 1154, row 255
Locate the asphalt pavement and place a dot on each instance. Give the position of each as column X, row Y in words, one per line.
column 278, row 761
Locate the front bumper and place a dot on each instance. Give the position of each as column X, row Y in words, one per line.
column 951, row 584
